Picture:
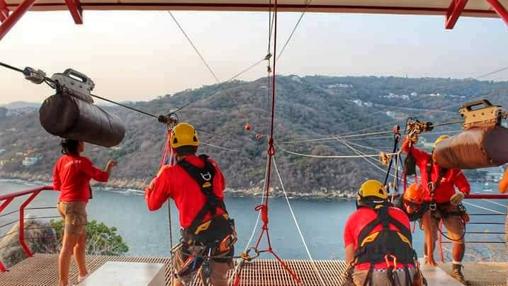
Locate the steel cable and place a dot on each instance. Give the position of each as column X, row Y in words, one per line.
column 297, row 224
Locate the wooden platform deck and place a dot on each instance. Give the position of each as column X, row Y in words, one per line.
column 41, row 270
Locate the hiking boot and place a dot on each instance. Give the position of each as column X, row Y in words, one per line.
column 457, row 273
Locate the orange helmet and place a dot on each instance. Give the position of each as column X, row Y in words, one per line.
column 414, row 194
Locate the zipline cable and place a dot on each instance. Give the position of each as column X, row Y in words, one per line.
column 125, row 106
column 492, row 72
column 220, row 86
column 307, row 4
column 483, row 208
column 354, row 135
column 93, row 95
column 12, row 68
column 331, row 156
column 495, row 203
column 195, row 48
column 334, row 137
column 383, row 171
column 220, row 147
column 263, row 208
column 321, row 280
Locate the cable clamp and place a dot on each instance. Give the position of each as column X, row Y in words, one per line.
column 35, row 76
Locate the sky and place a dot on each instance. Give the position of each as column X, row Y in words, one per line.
column 134, row 56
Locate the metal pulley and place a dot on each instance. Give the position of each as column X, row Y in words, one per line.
column 481, row 113
column 415, row 127
column 170, row 119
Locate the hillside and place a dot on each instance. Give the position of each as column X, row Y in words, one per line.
column 307, row 108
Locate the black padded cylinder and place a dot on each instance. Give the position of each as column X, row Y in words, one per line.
column 73, row 118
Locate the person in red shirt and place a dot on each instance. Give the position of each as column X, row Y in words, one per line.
column 439, row 186
column 71, row 176
column 196, row 184
column 378, row 242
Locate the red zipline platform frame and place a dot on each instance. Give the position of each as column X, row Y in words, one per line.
column 5, row 200
column 9, row 19
column 456, row 8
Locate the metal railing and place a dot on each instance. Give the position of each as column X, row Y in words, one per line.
column 6, row 200
column 487, row 219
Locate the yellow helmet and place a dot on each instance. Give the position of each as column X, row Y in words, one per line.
column 440, row 138
column 183, row 134
column 372, row 189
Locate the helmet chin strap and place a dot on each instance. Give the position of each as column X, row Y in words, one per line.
column 371, row 203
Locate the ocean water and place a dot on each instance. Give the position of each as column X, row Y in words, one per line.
column 147, row 233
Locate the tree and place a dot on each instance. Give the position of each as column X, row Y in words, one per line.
column 101, row 239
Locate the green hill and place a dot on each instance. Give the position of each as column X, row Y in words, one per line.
column 307, row 108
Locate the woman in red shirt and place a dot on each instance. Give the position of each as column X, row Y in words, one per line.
column 71, row 176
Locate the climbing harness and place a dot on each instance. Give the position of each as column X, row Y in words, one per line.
column 205, row 240
column 391, row 247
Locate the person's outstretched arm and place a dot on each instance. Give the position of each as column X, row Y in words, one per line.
column 95, row 173
column 158, row 191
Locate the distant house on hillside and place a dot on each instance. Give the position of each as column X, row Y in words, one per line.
column 30, row 161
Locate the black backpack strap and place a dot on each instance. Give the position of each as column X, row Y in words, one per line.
column 382, row 219
column 368, row 278
column 434, row 185
column 204, row 178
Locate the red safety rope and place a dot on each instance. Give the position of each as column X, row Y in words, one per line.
column 263, row 208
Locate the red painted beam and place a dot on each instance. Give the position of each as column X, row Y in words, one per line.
column 500, row 10
column 454, row 10
column 76, row 10
column 14, row 17
column 4, row 11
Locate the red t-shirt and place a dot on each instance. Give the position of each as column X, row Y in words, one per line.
column 72, row 175
column 174, row 182
column 358, row 220
column 452, row 178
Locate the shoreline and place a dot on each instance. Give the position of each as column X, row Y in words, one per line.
column 136, row 186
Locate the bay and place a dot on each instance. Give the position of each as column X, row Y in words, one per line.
column 147, row 233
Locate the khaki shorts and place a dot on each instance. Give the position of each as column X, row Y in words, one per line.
column 74, row 216
column 380, row 278
column 454, row 225
column 218, row 270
